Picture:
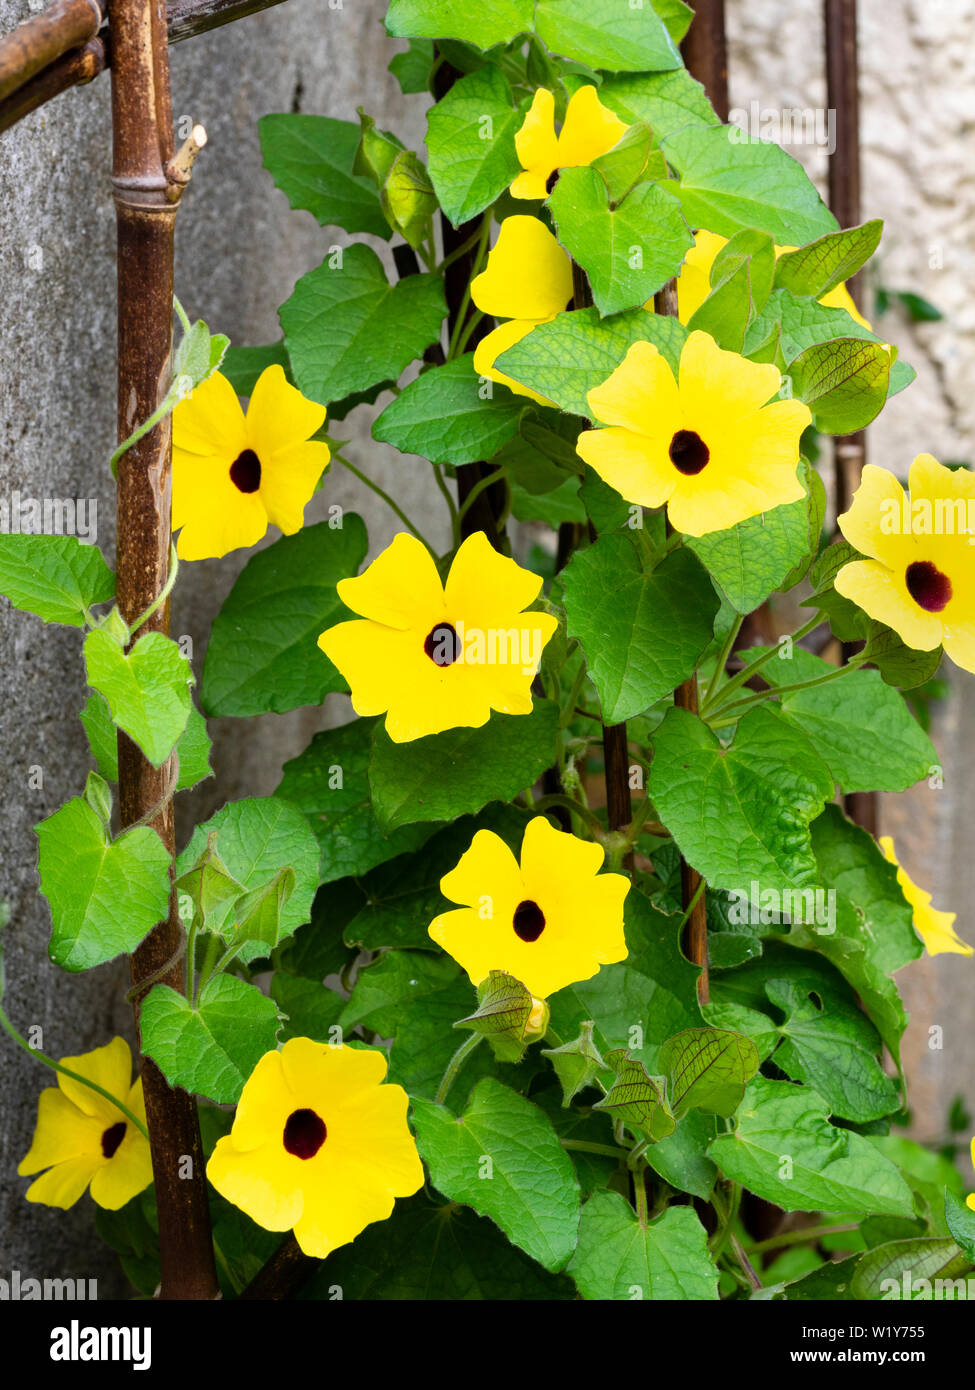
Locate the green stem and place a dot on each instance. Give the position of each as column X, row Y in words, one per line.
column 459, row 251
column 167, row 589
column 66, row 1071
column 724, row 655
column 640, row 1193
column 711, row 704
column 727, row 1216
column 181, row 315
column 210, row 954
column 482, row 483
column 743, row 1260
column 583, row 1146
column 557, row 799
column 756, row 699
column 690, row 907
column 451, row 504
column 386, row 498
column 799, row 1237
column 469, row 327
column 455, row 1064
column 173, row 396
column 484, row 236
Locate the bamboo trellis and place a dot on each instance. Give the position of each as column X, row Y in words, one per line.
column 69, row 44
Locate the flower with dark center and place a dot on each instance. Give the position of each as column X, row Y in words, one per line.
column 936, row 929
column 917, row 574
column 236, row 474
column 711, row 443
column 549, row 919
column 83, row 1140
column 589, row 130
column 348, row 1172
column 442, row 645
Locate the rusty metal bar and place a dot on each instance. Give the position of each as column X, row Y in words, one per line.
column 185, row 19
column 705, row 50
column 146, row 214
column 43, row 39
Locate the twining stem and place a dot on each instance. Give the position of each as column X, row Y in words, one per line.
column 167, row 589
column 583, row 1146
column 724, row 657
column 744, row 1262
column 75, row 1076
column 455, row 1064
column 742, row 705
column 717, row 698
column 801, row 1237
column 487, row 481
column 640, row 1194
column 454, row 347
column 380, row 492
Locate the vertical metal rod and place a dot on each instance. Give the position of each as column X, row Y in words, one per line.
column 142, row 128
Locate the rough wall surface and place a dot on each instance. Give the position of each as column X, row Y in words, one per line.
column 917, row 94
column 239, row 251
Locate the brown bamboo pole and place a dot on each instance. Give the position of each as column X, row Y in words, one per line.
column 185, row 19
column 705, row 51
column 42, row 39
column 145, row 214
column 842, row 97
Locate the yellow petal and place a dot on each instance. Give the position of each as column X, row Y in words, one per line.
column 936, row 929
column 288, row 482
column 63, row 1132
column 215, row 516
column 699, row 509
column 589, row 130
column 874, row 521
column 536, row 146
column 718, row 387
column 278, row 415
column 694, row 276
column 264, row 1182
column 62, row 1185
column 635, row 465
column 883, row 595
column 401, row 588
column 371, row 658
column 487, row 860
column 528, row 274
column 127, row 1173
column 109, row 1067
column 959, row 642
column 493, row 344
column 840, row 298
column 210, row 421
column 318, row 1073
column 486, row 587
column 640, row 395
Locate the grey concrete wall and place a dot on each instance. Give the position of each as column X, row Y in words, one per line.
column 239, row 251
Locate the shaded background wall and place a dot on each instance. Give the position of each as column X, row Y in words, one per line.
column 239, row 252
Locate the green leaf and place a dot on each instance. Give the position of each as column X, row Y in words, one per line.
column 105, row 895
column 901, row 1265
column 635, row 1098
column 762, row 791
column 438, row 1251
column 471, row 142
column 502, row 1158
column 317, row 949
column 493, row 22
column 728, row 309
column 444, row 416
column 825, row 263
column 258, row 912
column 960, row 1220
column 147, row 689
column 403, row 895
column 328, row 782
column 628, row 251
column 243, row 365
column 347, row 328
column 256, row 838
column 561, row 505
column 707, row 1069
column 377, row 150
column 56, row 577
column 754, row 558
column 309, row 1009
column 729, row 181
column 408, row 199
column 311, row 159
column 193, row 748
column 785, row 1150
column 643, row 629
column 564, row 359
column 604, row 34
column 209, row 1048
column 844, row 382
column 576, row 1063
column 457, row 772
column 263, row 654
column 681, row 1159
column 413, row 69
column 618, row 1258
column 899, row 665
column 504, row 1007
column 874, row 934
column 666, row 101
column 861, row 727
column 210, row 886
column 631, row 160
column 198, row 354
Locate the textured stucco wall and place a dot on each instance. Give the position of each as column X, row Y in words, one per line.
column 239, row 251
column 917, row 94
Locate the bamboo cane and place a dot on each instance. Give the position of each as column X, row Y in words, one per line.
column 146, row 213
column 41, row 40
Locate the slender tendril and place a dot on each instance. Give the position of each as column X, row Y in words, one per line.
column 380, row 492
column 455, row 1064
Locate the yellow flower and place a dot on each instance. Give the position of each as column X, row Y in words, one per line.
column 549, row 921
column 588, row 131
column 936, row 929
column 694, row 280
column 528, row 280
column 82, row 1139
column 318, row 1145
column 435, row 656
column 706, row 444
column 919, row 579
column 971, row 1197
column 234, row 474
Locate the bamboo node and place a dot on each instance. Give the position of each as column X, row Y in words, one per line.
column 180, row 167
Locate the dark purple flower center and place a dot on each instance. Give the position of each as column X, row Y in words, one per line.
column 927, row 586
column 442, row 645
column 111, row 1139
column 688, row 452
column 245, row 471
column 528, row 921
column 304, row 1133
